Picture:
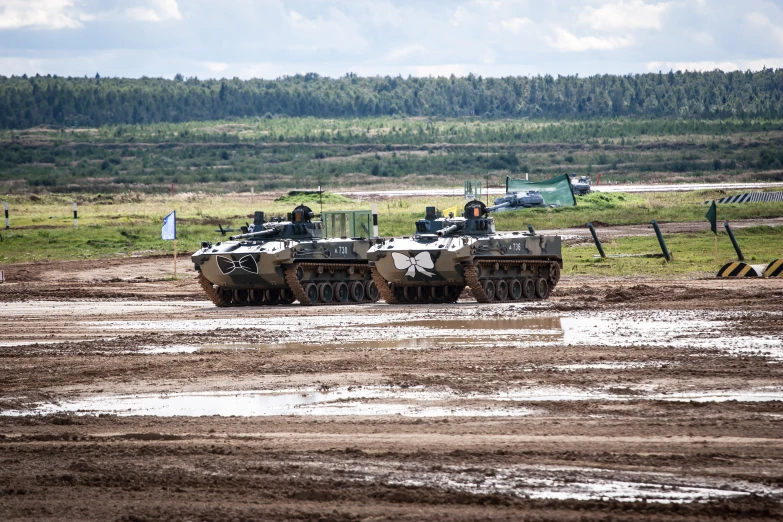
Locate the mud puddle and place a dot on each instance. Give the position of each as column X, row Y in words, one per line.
column 549, row 482
column 378, row 401
column 679, row 329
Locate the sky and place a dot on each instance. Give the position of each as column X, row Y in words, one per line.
column 273, row 38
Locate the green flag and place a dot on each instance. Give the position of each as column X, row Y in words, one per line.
column 712, row 217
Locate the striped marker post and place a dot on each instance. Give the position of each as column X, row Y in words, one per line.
column 740, row 269
column 774, row 269
column 7, row 222
column 75, row 216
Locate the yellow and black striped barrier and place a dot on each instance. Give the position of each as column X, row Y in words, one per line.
column 774, row 269
column 740, row 269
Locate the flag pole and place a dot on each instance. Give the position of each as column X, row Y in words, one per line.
column 175, row 259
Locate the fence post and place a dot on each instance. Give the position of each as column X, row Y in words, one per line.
column 596, row 240
column 740, row 257
column 7, row 222
column 75, row 216
column 666, row 253
column 374, row 220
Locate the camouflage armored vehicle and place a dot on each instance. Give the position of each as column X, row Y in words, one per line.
column 580, row 186
column 448, row 253
column 518, row 200
column 283, row 261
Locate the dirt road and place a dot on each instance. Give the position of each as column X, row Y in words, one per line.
column 125, row 396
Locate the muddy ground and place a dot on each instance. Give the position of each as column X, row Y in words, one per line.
column 124, row 396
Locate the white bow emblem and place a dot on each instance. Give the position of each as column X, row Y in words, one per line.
column 414, row 264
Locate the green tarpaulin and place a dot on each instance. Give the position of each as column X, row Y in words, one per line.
column 555, row 191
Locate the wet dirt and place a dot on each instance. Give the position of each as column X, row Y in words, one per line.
column 624, row 399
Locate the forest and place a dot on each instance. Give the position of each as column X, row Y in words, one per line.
column 93, row 102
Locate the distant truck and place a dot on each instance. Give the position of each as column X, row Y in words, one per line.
column 580, row 186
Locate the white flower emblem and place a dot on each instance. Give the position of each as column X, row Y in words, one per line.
column 414, row 264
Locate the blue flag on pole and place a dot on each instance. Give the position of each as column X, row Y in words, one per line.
column 169, row 230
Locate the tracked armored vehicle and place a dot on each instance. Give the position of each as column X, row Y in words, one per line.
column 283, row 261
column 449, row 253
column 519, row 200
column 580, row 186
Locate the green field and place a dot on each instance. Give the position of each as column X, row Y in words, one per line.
column 284, row 153
column 129, row 224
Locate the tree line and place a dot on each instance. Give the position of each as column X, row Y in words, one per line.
column 50, row 100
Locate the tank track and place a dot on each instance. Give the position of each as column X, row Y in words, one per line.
column 383, row 287
column 299, row 293
column 477, row 289
column 212, row 292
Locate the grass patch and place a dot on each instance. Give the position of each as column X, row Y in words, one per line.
column 312, row 197
column 42, row 226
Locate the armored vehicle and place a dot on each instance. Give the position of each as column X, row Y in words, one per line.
column 581, row 185
column 517, row 200
column 448, row 253
column 283, row 261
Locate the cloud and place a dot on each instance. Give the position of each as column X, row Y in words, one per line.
column 633, row 14
column 515, row 25
column 565, row 41
column 761, row 20
column 216, row 67
column 402, row 53
column 155, row 11
column 335, row 31
column 41, row 14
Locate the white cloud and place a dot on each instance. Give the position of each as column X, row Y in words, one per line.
column 633, row 14
column 41, row 14
column 761, row 20
column 565, row 41
column 703, row 38
column 515, row 25
column 216, row 67
column 336, row 31
column 155, row 11
column 404, row 52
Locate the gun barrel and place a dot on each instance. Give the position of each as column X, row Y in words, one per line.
column 256, row 235
column 498, row 207
column 448, row 230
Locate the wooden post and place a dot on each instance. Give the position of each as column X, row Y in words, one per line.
column 252, row 191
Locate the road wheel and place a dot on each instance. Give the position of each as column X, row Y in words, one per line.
column 286, row 296
column 489, row 290
column 340, row 291
column 371, row 291
column 325, row 292
column 272, row 296
column 501, row 290
column 554, row 274
column 241, row 296
column 515, row 290
column 356, row 291
column 528, row 288
column 312, row 292
column 257, row 297
column 542, row 288
column 438, row 294
column 410, row 294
